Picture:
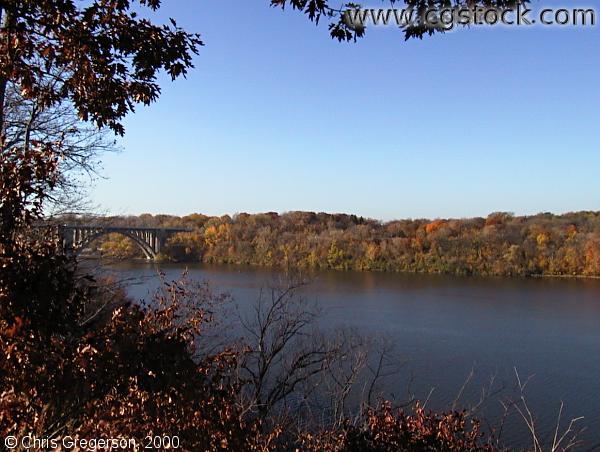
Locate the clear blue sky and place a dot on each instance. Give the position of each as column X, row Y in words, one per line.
column 277, row 117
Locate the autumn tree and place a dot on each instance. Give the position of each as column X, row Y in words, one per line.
column 101, row 59
column 82, row 144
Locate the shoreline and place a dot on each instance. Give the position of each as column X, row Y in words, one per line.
column 565, row 276
column 112, row 260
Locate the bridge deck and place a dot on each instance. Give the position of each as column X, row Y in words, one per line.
column 118, row 228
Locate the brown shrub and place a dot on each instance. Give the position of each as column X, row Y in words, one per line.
column 385, row 430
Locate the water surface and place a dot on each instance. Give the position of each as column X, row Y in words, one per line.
column 548, row 329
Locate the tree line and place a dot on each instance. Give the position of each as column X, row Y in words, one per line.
column 501, row 244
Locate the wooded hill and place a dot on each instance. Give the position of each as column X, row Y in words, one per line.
column 501, row 244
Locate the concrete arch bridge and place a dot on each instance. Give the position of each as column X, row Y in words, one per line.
column 150, row 240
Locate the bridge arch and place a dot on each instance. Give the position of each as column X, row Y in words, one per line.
column 145, row 247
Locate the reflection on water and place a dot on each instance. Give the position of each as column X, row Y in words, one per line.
column 445, row 326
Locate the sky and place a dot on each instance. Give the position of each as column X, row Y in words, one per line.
column 276, row 116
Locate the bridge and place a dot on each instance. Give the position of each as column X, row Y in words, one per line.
column 150, row 240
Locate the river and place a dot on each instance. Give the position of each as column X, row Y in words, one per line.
column 442, row 327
